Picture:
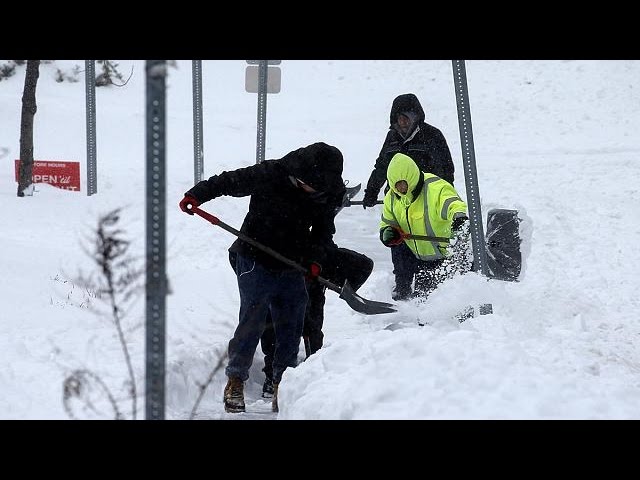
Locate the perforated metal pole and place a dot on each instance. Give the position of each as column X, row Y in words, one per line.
column 470, row 173
column 90, row 82
column 262, row 110
column 156, row 283
column 198, row 147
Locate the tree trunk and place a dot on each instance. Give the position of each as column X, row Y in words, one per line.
column 29, row 109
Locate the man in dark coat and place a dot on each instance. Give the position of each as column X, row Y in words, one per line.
column 425, row 144
column 340, row 265
column 291, row 211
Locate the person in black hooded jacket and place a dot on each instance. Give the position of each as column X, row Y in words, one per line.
column 292, row 208
column 410, row 134
column 425, row 144
column 339, row 265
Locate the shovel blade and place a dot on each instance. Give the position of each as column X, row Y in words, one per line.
column 362, row 305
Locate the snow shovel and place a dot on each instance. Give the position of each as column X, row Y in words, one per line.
column 346, row 292
column 426, row 237
column 359, row 202
column 349, row 193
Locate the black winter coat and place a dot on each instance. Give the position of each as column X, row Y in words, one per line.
column 426, row 146
column 281, row 215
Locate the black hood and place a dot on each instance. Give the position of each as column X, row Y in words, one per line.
column 318, row 165
column 407, row 102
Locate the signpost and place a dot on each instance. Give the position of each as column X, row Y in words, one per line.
column 90, row 82
column 156, row 280
column 470, row 172
column 198, row 147
column 262, row 79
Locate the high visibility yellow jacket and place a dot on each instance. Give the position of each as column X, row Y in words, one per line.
column 428, row 208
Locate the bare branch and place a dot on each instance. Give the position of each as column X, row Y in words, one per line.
column 117, row 286
column 127, row 81
column 110, row 247
column 203, row 387
column 109, row 70
column 80, row 386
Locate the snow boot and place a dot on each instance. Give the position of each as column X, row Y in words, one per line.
column 274, row 402
column 401, row 292
column 234, row 396
column 267, row 387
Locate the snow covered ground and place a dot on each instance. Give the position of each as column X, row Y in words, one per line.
column 556, row 140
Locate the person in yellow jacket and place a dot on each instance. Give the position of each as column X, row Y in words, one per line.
column 420, row 204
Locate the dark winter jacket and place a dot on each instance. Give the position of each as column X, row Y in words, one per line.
column 282, row 215
column 424, row 143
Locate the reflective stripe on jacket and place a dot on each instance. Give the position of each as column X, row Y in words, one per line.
column 428, row 211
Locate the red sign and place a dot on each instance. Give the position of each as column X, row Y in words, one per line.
column 65, row 175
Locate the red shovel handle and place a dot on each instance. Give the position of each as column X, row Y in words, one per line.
column 206, row 215
column 355, row 301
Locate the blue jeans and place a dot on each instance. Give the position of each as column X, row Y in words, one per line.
column 340, row 264
column 281, row 293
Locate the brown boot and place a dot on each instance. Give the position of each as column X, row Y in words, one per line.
column 234, row 395
column 274, row 402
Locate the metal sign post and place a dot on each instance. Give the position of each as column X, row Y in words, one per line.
column 90, row 81
column 156, row 283
column 259, row 80
column 470, row 172
column 198, row 147
column 262, row 110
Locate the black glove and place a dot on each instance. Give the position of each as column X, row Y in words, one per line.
column 391, row 236
column 370, row 198
column 458, row 223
